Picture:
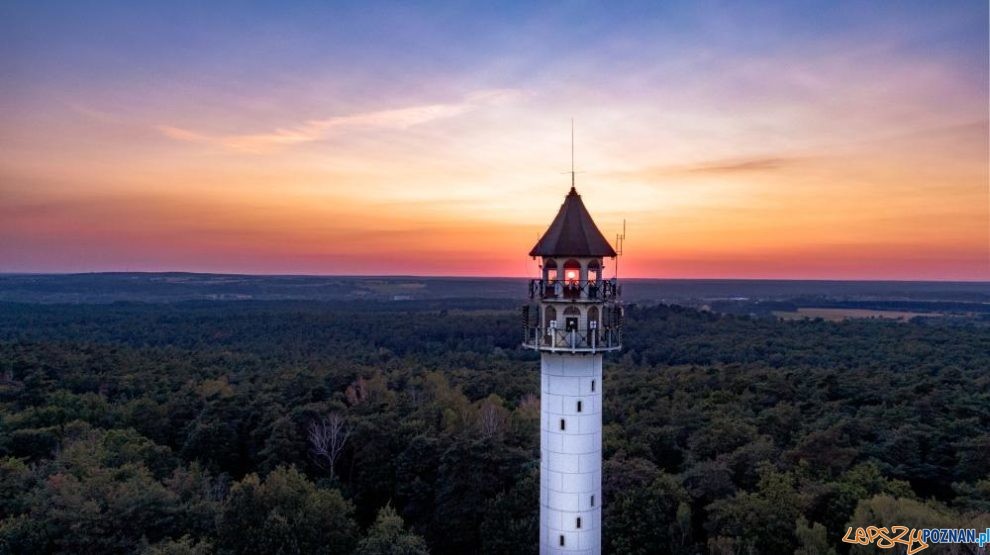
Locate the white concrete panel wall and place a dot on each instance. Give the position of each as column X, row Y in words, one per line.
column 571, row 458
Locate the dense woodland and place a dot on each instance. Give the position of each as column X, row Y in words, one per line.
column 404, row 428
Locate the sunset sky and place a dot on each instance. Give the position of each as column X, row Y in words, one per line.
column 738, row 139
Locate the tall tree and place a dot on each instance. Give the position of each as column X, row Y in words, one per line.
column 327, row 438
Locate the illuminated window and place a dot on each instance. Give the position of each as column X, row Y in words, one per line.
column 550, row 270
column 572, row 272
column 594, row 271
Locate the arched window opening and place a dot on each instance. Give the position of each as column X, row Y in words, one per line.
column 551, row 316
column 551, row 285
column 572, row 279
column 572, row 271
column 593, row 325
column 594, row 279
column 549, row 325
column 594, row 271
column 550, row 270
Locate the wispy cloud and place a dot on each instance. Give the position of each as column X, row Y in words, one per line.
column 758, row 164
column 318, row 129
column 743, row 165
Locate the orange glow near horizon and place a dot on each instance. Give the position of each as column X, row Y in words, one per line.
column 796, row 163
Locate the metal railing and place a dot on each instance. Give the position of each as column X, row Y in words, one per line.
column 595, row 291
column 591, row 340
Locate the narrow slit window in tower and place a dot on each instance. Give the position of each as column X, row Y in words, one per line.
column 563, row 425
column 592, row 385
column 592, row 500
column 579, row 406
column 578, row 522
column 561, row 540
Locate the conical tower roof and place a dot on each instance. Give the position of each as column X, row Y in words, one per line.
column 573, row 233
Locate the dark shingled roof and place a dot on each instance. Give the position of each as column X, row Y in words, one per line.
column 573, row 233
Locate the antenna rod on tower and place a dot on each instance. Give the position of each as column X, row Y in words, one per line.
column 572, row 153
column 619, row 240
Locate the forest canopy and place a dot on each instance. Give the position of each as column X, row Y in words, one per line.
column 303, row 427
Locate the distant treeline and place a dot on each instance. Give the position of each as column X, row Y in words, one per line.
column 979, row 311
column 179, row 286
column 413, row 427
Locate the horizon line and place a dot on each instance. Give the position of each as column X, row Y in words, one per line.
column 447, row 276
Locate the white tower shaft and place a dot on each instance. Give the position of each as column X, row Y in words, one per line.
column 571, row 453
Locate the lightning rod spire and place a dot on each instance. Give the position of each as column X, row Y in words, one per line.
column 573, row 190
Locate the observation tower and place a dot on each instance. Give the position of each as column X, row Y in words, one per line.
column 574, row 317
